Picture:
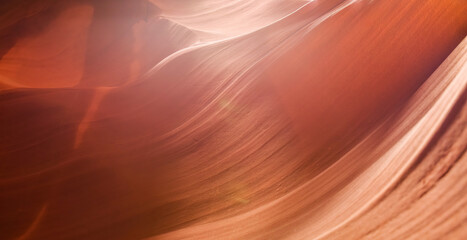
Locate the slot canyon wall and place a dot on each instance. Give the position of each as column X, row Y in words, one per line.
column 241, row 119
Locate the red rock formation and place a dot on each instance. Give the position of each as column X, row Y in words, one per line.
column 208, row 119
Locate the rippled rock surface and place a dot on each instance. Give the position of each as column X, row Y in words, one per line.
column 241, row 119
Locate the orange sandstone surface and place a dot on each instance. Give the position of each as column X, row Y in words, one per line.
column 214, row 119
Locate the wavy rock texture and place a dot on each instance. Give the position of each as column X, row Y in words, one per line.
column 242, row 119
